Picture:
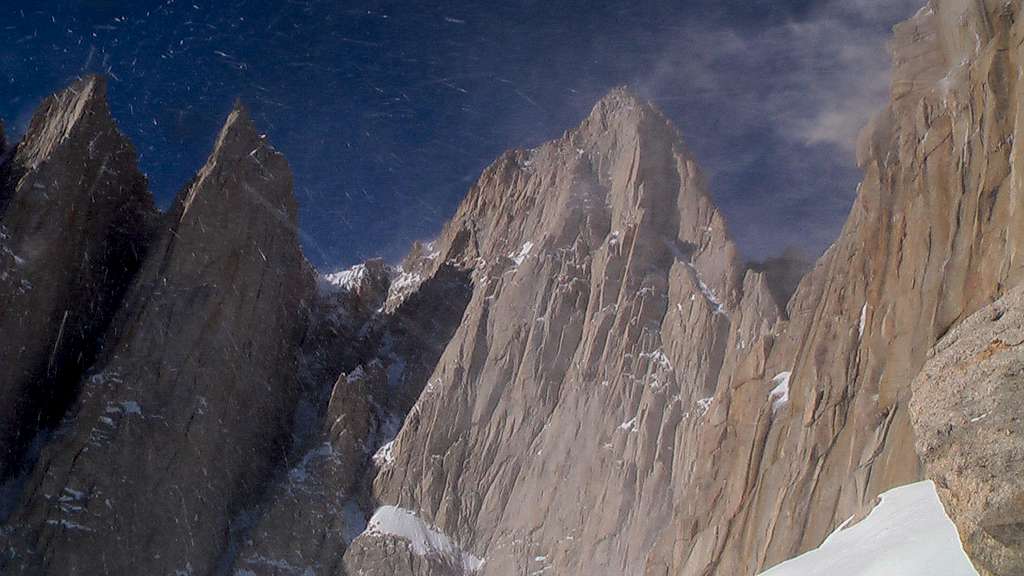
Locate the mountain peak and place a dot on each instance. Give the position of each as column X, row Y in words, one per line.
column 242, row 154
column 622, row 116
column 237, row 127
column 621, row 96
column 61, row 114
column 620, row 102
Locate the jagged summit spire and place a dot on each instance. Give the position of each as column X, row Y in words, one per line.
column 61, row 114
column 622, row 112
column 619, row 101
column 240, row 155
column 238, row 125
column 75, row 218
column 623, row 95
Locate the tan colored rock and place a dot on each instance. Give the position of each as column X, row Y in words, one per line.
column 969, row 423
column 541, row 434
column 619, row 396
column 597, row 326
column 933, row 236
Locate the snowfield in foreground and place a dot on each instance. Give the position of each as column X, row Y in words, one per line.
column 907, row 534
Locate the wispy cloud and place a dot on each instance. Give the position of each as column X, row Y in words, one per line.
column 774, row 113
column 818, row 79
column 848, row 44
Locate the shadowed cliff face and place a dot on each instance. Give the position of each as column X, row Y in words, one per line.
column 384, row 355
column 75, row 223
column 185, row 417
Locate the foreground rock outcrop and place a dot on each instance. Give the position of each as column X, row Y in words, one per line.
column 189, row 411
column 968, row 414
column 75, row 223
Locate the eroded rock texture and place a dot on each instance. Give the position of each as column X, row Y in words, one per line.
column 75, row 222
column 969, row 420
column 604, row 286
column 188, row 413
column 617, row 400
column 934, row 235
column 585, row 377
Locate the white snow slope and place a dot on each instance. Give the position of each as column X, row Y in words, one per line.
column 907, row 534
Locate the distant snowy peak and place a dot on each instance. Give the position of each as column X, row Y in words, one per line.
column 352, row 279
column 345, row 280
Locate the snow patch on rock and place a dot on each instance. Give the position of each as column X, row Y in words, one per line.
column 404, row 283
column 658, row 358
column 384, row 455
column 521, row 256
column 423, row 539
column 780, row 391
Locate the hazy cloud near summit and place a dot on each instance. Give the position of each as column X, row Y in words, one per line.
column 858, row 79
column 774, row 110
column 817, row 80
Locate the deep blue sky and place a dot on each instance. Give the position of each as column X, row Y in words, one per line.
column 388, row 111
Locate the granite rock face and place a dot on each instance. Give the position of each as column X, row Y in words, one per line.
column 934, row 235
column 969, row 421
column 604, row 286
column 621, row 399
column 579, row 376
column 188, row 413
column 315, row 512
column 75, row 224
